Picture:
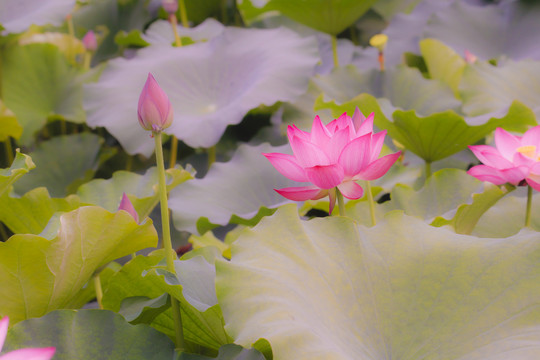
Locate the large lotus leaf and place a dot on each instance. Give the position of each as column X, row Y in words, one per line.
column 228, row 352
column 161, row 32
column 89, row 335
column 394, row 84
column 17, row 15
column 509, row 29
column 389, row 8
column 63, row 163
column 109, row 17
column 9, row 126
column 30, row 213
column 507, row 216
column 234, row 190
column 443, row 63
column 38, row 84
column 399, row 290
column 485, row 88
column 438, row 135
column 204, row 328
column 329, row 16
column 210, row 85
column 108, row 193
column 45, row 274
column 20, row 166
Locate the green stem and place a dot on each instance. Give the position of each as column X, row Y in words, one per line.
column 341, row 203
column 129, row 163
column 174, row 151
column 87, row 60
column 211, row 155
column 170, row 254
column 174, row 23
column 334, row 50
column 183, row 14
column 9, row 151
column 99, row 290
column 529, row 206
column 371, row 203
column 224, row 17
column 428, row 169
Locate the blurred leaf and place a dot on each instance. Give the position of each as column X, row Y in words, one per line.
column 228, row 352
column 44, row 274
column 89, row 335
column 143, row 310
column 38, row 83
column 20, row 166
column 131, row 39
column 161, row 32
column 399, row 290
column 69, row 46
column 62, row 161
column 9, row 126
column 17, row 15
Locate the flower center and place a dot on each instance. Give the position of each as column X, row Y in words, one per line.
column 529, row 151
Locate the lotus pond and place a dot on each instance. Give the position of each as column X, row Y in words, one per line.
column 270, row 179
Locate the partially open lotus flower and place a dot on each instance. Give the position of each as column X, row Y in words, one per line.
column 333, row 156
column 126, row 205
column 155, row 111
column 513, row 159
column 170, row 6
column 23, row 354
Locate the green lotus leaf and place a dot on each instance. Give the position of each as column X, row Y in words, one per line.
column 45, row 274
column 438, row 135
column 63, row 163
column 389, row 8
column 443, row 63
column 38, row 84
column 31, row 213
column 228, row 352
column 485, row 88
column 507, row 216
column 17, row 15
column 161, row 32
column 142, row 189
column 20, row 166
column 399, row 290
column 143, row 310
column 203, row 328
column 89, row 335
column 9, row 126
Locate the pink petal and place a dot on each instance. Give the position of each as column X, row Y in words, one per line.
column 506, row 143
column 336, row 145
column 356, row 155
column 325, row 177
column 531, row 137
column 288, row 166
column 378, row 168
column 30, row 354
column 308, row 154
column 332, row 126
column 377, row 141
column 154, row 108
column 351, row 190
column 357, row 119
column 367, row 126
column 496, row 176
column 301, row 193
column 3, row 330
column 293, row 131
column 534, row 183
column 126, row 205
column 524, row 161
column 319, row 134
column 490, row 156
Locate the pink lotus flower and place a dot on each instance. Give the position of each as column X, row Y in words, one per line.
column 333, row 156
column 170, row 6
column 513, row 160
column 22, row 354
column 89, row 41
column 126, row 205
column 154, row 110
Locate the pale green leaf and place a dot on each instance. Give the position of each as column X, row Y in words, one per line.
column 20, row 166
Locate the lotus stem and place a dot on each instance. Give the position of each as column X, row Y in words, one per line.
column 211, row 155
column 334, row 51
column 174, row 23
column 371, row 203
column 170, row 254
column 529, row 206
column 428, row 169
column 224, row 17
column 9, row 151
column 174, row 140
column 381, row 61
column 341, row 203
column 87, row 60
column 183, row 14
column 99, row 291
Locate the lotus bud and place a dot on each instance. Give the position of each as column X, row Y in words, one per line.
column 379, row 41
column 126, row 205
column 170, row 6
column 470, row 58
column 89, row 41
column 154, row 110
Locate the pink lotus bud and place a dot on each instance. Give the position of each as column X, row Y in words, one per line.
column 126, row 205
column 470, row 58
column 89, row 41
column 170, row 6
column 28, row 353
column 155, row 110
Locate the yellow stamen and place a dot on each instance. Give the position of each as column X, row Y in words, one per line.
column 529, row 151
